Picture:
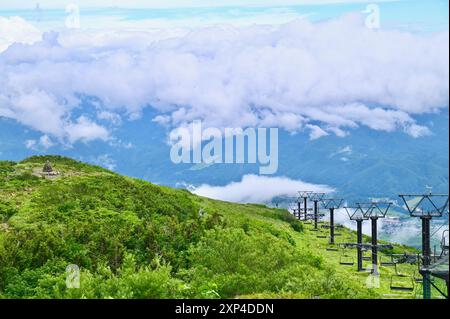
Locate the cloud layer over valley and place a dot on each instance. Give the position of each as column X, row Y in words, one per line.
column 257, row 189
column 322, row 78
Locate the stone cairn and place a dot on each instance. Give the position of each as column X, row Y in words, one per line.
column 48, row 169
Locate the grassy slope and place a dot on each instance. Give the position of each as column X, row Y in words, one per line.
column 133, row 239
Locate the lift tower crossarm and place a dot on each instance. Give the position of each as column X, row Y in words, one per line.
column 376, row 209
column 316, row 198
column 332, row 204
column 304, row 195
column 434, row 211
column 356, row 213
column 425, row 206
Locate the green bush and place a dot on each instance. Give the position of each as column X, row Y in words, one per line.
column 132, row 239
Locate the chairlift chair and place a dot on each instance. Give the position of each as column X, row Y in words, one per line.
column 387, row 261
column 405, row 258
column 346, row 260
column 402, row 282
column 444, row 243
column 366, row 258
column 417, row 277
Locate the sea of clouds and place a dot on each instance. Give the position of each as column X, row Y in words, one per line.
column 322, row 78
column 263, row 189
column 257, row 189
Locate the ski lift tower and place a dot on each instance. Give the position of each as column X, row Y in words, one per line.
column 377, row 209
column 292, row 207
column 332, row 204
column 298, row 209
column 304, row 195
column 316, row 198
column 426, row 206
column 357, row 214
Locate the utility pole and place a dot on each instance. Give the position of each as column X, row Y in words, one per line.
column 299, row 209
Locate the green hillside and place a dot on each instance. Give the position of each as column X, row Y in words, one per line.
column 133, row 239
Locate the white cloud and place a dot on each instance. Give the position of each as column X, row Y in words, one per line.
column 341, row 217
column 44, row 143
column 257, row 189
column 315, row 132
column 85, row 130
column 417, row 130
column 109, row 116
column 336, row 74
column 399, row 230
column 105, row 161
column 30, row 144
column 182, row 24
column 36, row 109
column 41, row 111
column 345, row 150
column 378, row 119
column 338, row 131
column 181, row 3
column 17, row 30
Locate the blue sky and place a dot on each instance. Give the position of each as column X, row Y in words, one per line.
column 413, row 15
column 361, row 110
column 315, row 68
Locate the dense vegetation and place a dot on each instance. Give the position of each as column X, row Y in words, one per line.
column 133, row 239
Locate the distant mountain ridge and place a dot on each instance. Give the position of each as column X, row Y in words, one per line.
column 364, row 163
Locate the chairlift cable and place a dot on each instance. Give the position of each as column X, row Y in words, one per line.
column 434, row 233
